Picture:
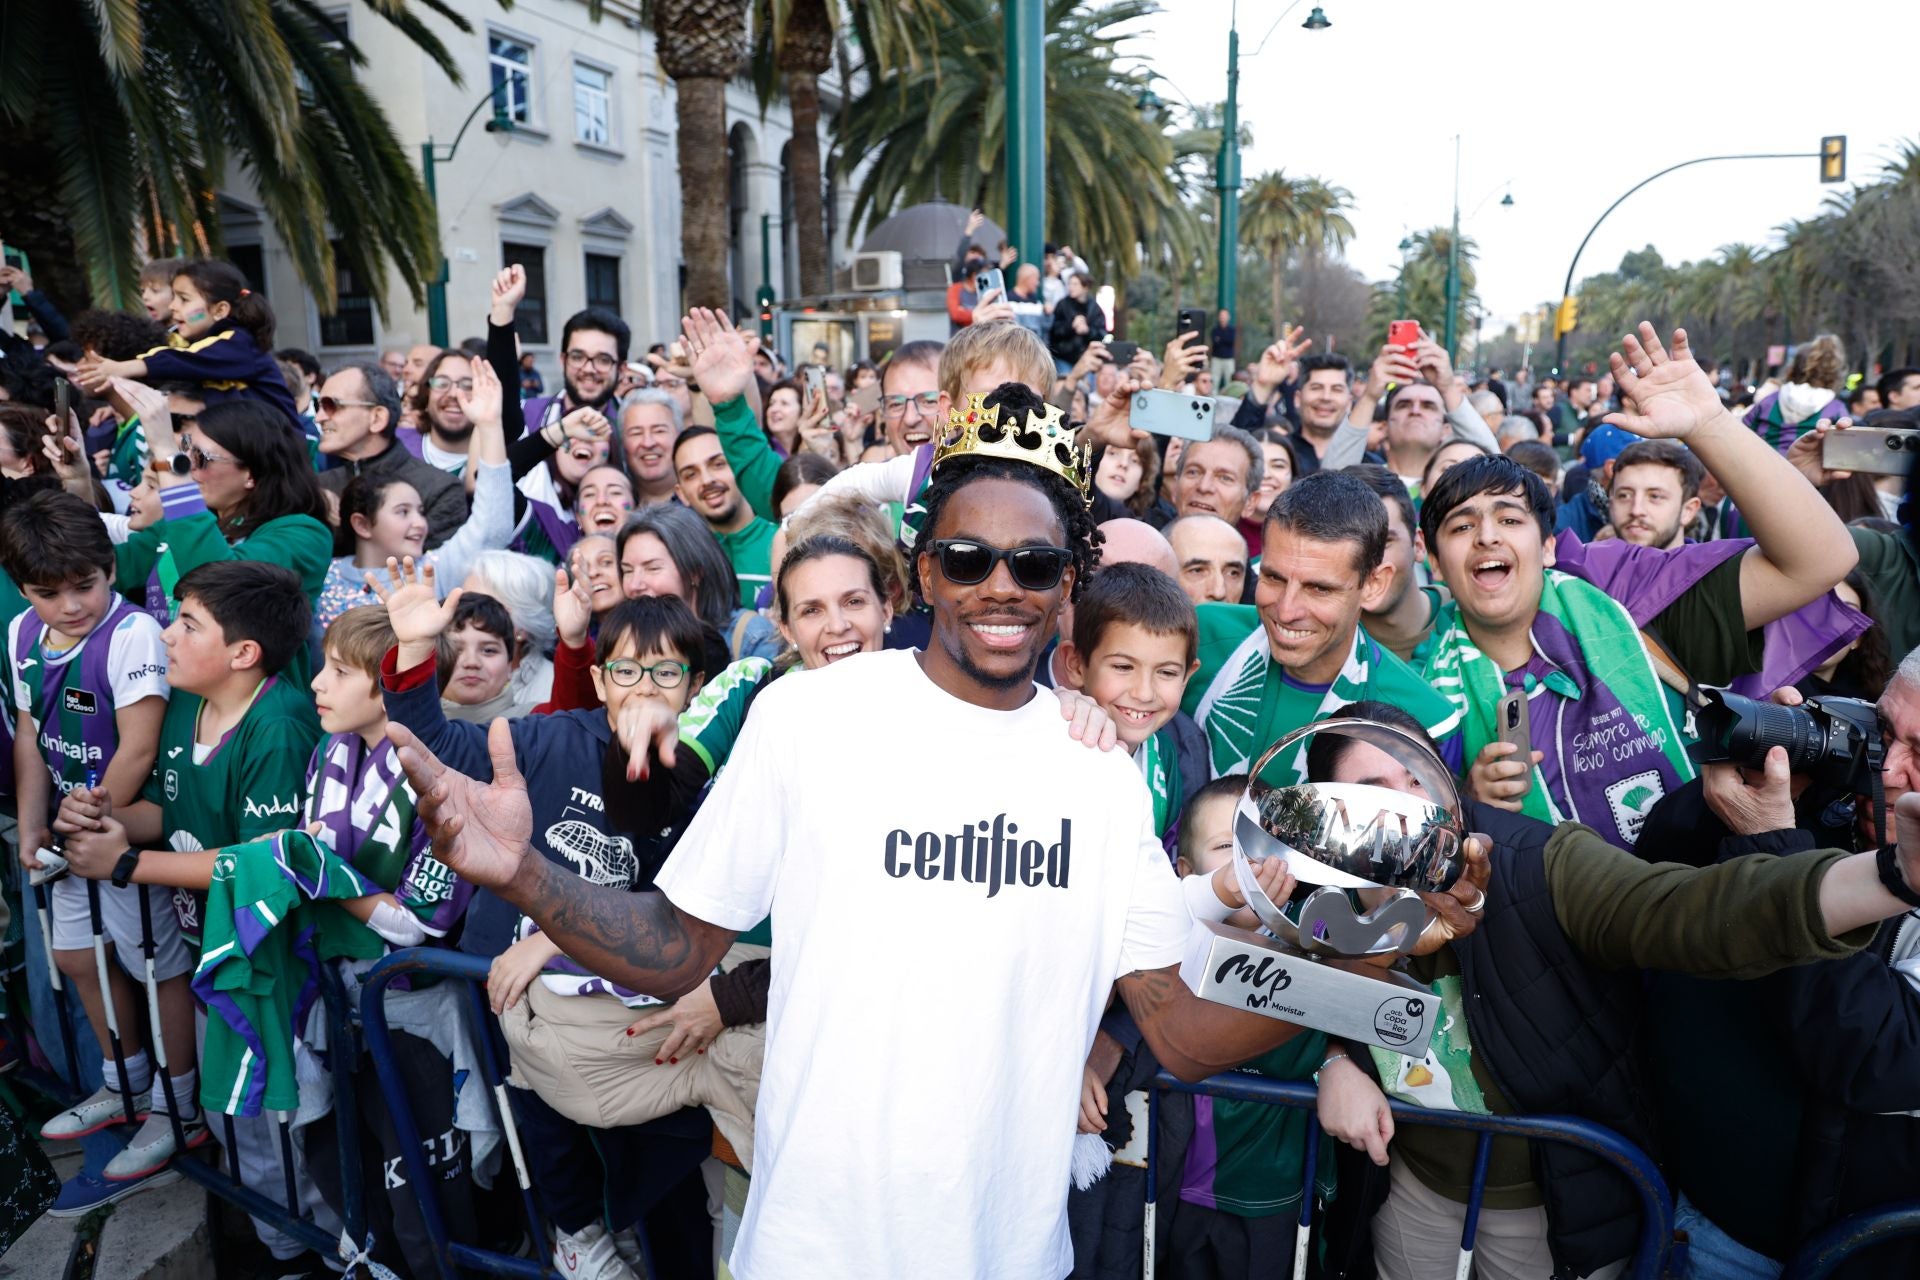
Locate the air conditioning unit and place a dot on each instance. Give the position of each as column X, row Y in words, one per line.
column 875, row 272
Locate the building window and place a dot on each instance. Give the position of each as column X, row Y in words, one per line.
column 603, row 281
column 530, row 322
column 252, row 261
column 351, row 324
column 592, row 105
column 511, row 63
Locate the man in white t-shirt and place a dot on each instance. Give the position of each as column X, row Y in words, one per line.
column 945, row 947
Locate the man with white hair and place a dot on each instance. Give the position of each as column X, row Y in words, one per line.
column 1830, row 1043
column 650, row 421
column 1488, row 406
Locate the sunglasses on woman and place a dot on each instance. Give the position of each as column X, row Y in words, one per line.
column 965, row 563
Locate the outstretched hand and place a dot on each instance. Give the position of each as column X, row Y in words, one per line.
column 414, row 608
column 647, row 728
column 1663, row 397
column 572, row 604
column 482, row 405
column 479, row 830
column 722, row 359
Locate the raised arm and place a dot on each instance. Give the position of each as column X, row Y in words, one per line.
column 1804, row 549
column 638, row 940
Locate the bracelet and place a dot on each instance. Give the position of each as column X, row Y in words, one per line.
column 1888, row 861
column 1336, row 1055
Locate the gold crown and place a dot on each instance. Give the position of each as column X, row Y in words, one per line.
column 1043, row 440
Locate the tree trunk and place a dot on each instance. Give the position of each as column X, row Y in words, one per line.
column 1279, row 271
column 702, row 107
column 809, row 214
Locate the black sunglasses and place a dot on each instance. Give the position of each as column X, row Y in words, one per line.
column 966, row 563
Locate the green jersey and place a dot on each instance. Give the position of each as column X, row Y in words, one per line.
column 750, row 551
column 711, row 725
column 246, row 786
column 1246, row 701
column 1244, row 1155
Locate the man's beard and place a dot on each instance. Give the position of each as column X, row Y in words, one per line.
column 453, row 435
column 580, row 401
column 957, row 650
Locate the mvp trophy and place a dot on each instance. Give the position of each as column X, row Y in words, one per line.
column 1350, row 841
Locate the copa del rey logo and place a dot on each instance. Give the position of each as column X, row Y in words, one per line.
column 271, row 808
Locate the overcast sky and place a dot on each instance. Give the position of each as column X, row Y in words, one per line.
column 1571, row 101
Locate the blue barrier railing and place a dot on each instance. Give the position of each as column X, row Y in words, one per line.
column 453, row 1256
column 288, row 1217
column 1633, row 1164
column 1826, row 1252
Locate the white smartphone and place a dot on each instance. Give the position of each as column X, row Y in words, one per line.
column 1172, row 413
column 1515, row 726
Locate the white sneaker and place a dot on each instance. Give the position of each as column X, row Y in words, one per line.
column 627, row 1244
column 152, row 1147
column 589, row 1255
column 98, row 1112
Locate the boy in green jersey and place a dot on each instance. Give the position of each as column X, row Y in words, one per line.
column 232, row 764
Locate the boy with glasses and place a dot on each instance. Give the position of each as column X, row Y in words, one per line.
column 649, row 650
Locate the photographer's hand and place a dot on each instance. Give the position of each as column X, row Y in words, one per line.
column 1751, row 804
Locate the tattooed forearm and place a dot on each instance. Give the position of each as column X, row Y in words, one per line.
column 639, row 940
column 1195, row 1038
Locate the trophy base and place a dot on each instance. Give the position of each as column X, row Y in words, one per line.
column 1244, row 970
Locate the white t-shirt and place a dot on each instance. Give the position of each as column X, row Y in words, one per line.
column 929, row 1011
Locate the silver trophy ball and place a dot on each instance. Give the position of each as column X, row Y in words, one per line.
column 1352, row 836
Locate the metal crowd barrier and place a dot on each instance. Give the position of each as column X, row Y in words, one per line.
column 288, row 1217
column 1656, row 1204
column 453, row 1256
column 1825, row 1253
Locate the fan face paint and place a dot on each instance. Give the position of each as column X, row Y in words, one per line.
column 192, row 314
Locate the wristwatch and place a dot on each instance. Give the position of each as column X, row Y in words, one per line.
column 1891, row 877
column 180, row 464
column 123, row 869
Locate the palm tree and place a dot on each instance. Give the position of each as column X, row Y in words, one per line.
column 701, row 45
column 121, row 119
column 1271, row 220
column 937, row 129
column 793, row 46
column 1323, row 219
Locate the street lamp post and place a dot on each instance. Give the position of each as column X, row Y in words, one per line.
column 1566, row 289
column 1453, row 259
column 1026, row 125
column 429, row 157
column 1226, row 163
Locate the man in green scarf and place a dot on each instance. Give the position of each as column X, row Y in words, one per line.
column 1609, row 741
column 1299, row 651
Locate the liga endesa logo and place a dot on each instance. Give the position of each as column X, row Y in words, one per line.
column 985, row 852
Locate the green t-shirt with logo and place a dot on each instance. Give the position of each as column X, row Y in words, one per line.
column 244, row 787
column 750, row 551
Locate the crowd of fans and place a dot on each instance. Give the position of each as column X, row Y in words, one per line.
column 229, row 570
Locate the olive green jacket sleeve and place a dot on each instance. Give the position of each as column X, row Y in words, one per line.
column 1743, row 918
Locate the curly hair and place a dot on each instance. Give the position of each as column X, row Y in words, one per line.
column 1076, row 517
column 117, row 335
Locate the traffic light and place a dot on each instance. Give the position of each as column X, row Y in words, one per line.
column 1833, row 158
column 1566, row 317
column 764, row 297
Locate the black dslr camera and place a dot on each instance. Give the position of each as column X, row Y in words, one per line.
column 1835, row 741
